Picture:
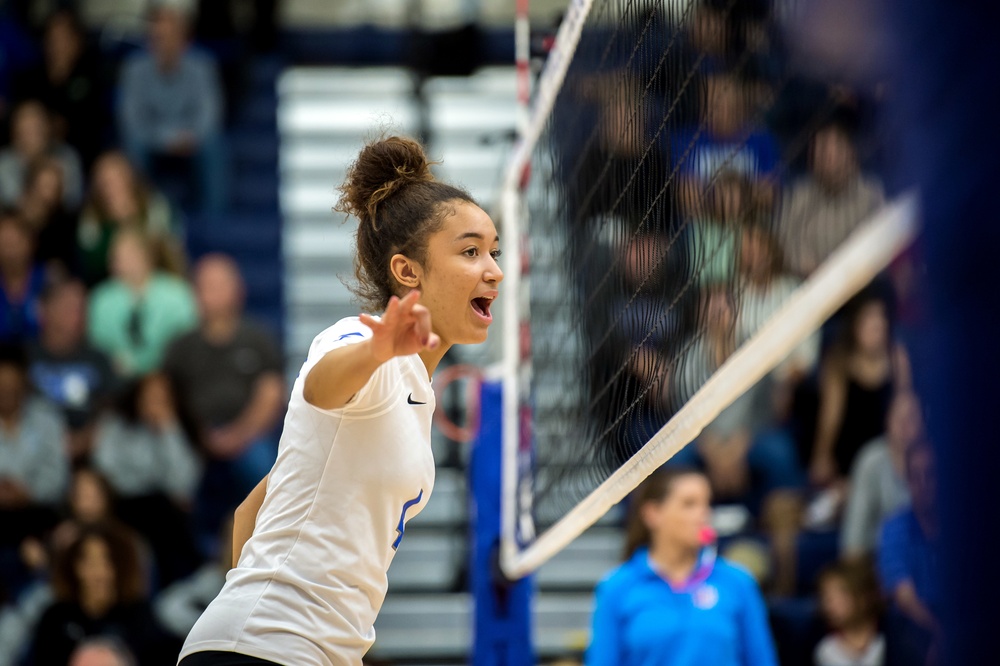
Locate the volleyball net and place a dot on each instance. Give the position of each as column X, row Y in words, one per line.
column 688, row 202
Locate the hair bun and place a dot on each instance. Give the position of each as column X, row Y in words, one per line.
column 383, row 168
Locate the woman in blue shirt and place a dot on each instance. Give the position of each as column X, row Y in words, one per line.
column 673, row 603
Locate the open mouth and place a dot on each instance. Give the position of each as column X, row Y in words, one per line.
column 481, row 306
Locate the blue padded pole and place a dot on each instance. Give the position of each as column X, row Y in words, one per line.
column 502, row 625
column 947, row 104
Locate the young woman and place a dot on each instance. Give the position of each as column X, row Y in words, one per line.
column 313, row 542
column 858, row 378
column 673, row 603
column 99, row 591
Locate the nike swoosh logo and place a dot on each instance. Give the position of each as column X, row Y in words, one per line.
column 410, row 400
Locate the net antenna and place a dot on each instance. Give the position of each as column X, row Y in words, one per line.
column 855, row 263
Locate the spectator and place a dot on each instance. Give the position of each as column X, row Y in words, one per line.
column 672, row 602
column 858, row 377
column 33, row 469
column 89, row 501
column 744, row 453
column 31, row 141
column 134, row 314
column 68, row 83
column 65, row 368
column 764, row 287
column 851, row 604
column 714, row 236
column 878, row 480
column 99, row 591
column 726, row 139
column 172, row 105
column 147, row 458
column 821, row 210
column 102, row 652
column 21, row 280
column 230, row 372
column 119, row 199
column 908, row 566
column 42, row 208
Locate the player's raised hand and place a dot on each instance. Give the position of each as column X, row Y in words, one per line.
column 404, row 329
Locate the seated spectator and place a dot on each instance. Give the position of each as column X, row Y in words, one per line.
column 908, row 566
column 119, row 199
column 764, row 287
column 102, row 652
column 21, row 280
column 68, row 83
column 714, row 236
column 33, row 466
column 230, row 372
column 99, row 591
column 42, row 208
column 141, row 448
column 134, row 314
column 63, row 365
column 822, row 209
column 850, row 602
column 858, row 377
column 744, row 452
column 673, row 603
column 172, row 105
column 725, row 139
column 31, row 141
column 878, row 480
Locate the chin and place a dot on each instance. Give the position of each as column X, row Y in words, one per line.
column 475, row 337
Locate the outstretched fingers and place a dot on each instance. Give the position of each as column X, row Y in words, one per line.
column 422, row 327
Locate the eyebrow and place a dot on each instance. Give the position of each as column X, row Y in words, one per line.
column 476, row 235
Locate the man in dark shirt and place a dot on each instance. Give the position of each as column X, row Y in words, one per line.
column 229, row 373
column 65, row 367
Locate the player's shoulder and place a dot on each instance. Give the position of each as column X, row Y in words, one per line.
column 347, row 330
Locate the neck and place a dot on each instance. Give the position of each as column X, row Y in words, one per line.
column 14, row 272
column 97, row 603
column 220, row 329
column 10, row 420
column 59, row 70
column 58, row 341
column 167, row 62
column 859, row 635
column 927, row 521
column 137, row 283
column 431, row 357
column 674, row 561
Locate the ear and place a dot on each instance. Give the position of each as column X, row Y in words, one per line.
column 650, row 515
column 406, row 271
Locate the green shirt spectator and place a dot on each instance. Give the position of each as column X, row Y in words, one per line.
column 137, row 312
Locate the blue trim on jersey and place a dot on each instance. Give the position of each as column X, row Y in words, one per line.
column 351, row 335
column 402, row 518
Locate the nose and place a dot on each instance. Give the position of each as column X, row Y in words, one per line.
column 493, row 274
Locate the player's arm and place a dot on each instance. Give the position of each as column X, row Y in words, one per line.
column 404, row 329
column 245, row 518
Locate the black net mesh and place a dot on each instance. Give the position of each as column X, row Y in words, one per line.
column 692, row 173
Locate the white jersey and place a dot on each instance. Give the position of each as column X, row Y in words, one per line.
column 312, row 578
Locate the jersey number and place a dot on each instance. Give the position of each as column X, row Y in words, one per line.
column 401, row 527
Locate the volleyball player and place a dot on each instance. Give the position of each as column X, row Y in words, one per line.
column 313, row 542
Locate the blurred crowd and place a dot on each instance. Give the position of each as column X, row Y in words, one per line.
column 706, row 171
column 138, row 403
